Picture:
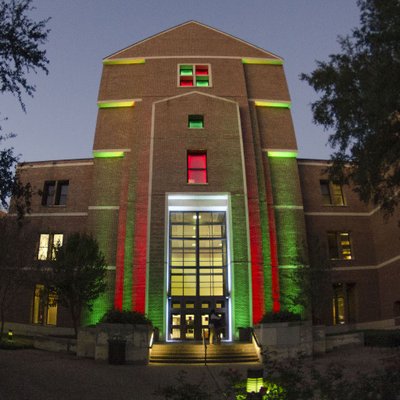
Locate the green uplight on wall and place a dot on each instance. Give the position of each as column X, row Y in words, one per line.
column 108, row 154
column 124, row 61
column 115, row 103
column 265, row 61
column 282, row 153
column 273, row 103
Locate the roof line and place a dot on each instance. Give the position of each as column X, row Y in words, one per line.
column 195, row 92
column 192, row 22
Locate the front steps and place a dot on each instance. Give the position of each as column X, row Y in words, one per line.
column 190, row 353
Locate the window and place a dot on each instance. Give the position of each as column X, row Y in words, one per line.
column 49, row 191
column 332, row 194
column 196, row 121
column 196, row 167
column 55, row 193
column 48, row 242
column 343, row 303
column 61, row 194
column 194, row 75
column 339, row 246
column 44, row 306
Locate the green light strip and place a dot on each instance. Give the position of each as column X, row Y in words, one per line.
column 273, row 103
column 265, row 61
column 282, row 154
column 124, row 61
column 108, row 154
column 115, row 103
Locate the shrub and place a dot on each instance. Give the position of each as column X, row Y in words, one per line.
column 382, row 338
column 125, row 317
column 281, row 316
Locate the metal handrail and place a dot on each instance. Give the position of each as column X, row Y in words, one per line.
column 151, row 341
column 205, row 346
column 255, row 338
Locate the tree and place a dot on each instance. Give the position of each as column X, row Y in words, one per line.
column 360, row 101
column 15, row 257
column 20, row 53
column 77, row 275
column 309, row 292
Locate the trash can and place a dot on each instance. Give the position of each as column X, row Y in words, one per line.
column 245, row 335
column 116, row 351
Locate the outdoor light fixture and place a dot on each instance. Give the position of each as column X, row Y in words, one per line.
column 108, row 154
column 10, row 335
column 282, row 153
column 273, row 103
column 115, row 103
column 254, row 380
column 267, row 61
column 123, row 61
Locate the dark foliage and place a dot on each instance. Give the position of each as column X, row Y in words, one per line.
column 184, row 390
column 360, row 102
column 281, row 316
column 125, row 317
column 20, row 53
column 382, row 338
column 77, row 275
column 16, row 253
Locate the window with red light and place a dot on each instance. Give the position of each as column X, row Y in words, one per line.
column 194, row 75
column 197, row 167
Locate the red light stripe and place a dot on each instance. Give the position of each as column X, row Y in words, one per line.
column 119, row 273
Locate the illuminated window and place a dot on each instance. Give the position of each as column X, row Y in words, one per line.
column 332, row 194
column 55, row 193
column 343, row 303
column 44, row 306
column 194, row 75
column 196, row 167
column 196, row 121
column 339, row 246
column 48, row 242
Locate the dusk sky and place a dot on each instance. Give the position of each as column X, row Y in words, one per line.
column 61, row 118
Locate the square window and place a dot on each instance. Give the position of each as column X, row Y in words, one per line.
column 196, row 121
column 61, row 194
column 55, row 193
column 194, row 75
column 48, row 243
column 332, row 193
column 339, row 246
column 49, row 191
column 197, row 167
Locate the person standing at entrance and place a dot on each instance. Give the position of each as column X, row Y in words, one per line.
column 213, row 325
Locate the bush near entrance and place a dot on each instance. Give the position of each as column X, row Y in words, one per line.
column 281, row 316
column 125, row 317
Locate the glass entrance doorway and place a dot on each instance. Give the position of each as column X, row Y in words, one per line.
column 197, row 273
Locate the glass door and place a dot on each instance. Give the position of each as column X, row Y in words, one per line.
column 197, row 273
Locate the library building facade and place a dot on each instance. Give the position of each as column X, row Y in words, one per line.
column 199, row 202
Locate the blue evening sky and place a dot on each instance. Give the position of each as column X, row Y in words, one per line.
column 60, row 119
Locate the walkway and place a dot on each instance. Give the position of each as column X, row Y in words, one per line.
column 40, row 375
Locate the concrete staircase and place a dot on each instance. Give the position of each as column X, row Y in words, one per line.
column 190, row 353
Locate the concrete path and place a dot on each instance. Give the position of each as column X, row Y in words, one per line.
column 40, row 375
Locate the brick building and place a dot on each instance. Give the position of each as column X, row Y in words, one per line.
column 197, row 198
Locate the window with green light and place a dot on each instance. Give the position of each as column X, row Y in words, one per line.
column 194, row 75
column 196, row 121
